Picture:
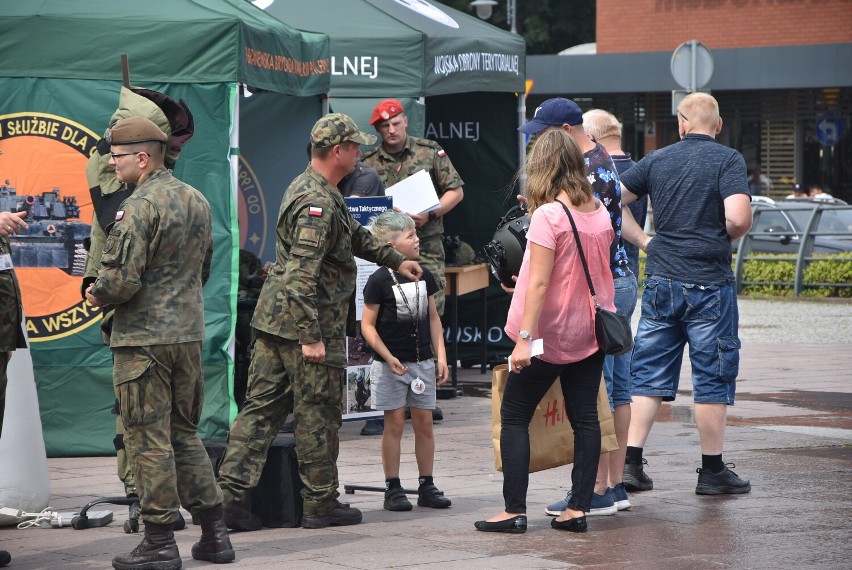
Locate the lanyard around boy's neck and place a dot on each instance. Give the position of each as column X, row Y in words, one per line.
column 415, row 313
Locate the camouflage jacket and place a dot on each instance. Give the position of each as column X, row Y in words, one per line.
column 155, row 260
column 306, row 296
column 11, row 310
column 104, row 186
column 417, row 155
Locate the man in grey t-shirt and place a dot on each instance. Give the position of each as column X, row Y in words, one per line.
column 701, row 204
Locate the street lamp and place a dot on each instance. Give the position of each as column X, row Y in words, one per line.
column 484, row 9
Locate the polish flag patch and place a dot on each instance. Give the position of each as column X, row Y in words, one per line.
column 441, row 153
column 119, row 215
column 315, row 211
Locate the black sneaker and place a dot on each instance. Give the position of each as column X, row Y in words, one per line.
column 437, row 414
column 429, row 496
column 340, row 515
column 635, row 478
column 395, row 500
column 373, row 427
column 725, row 482
column 239, row 518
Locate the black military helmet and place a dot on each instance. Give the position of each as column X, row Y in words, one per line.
column 505, row 251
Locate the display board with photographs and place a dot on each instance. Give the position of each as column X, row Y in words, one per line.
column 357, row 397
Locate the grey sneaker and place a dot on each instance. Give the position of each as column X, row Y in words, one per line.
column 635, row 479
column 725, row 482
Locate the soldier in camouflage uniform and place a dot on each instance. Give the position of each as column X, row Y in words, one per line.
column 401, row 156
column 305, row 311
column 154, row 262
column 11, row 312
column 175, row 119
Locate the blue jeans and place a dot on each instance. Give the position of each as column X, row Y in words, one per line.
column 674, row 313
column 616, row 369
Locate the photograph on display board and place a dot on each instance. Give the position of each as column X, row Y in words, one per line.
column 357, row 398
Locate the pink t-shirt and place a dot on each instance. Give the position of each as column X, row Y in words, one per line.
column 567, row 316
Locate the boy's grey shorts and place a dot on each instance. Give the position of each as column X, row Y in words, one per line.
column 391, row 392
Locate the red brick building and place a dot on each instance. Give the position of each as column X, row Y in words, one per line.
column 782, row 73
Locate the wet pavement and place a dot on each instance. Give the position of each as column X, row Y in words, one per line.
column 790, row 434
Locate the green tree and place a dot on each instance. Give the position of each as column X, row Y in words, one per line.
column 548, row 26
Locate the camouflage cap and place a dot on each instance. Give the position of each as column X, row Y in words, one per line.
column 337, row 128
column 134, row 130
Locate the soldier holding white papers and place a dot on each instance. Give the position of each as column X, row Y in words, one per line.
column 401, row 156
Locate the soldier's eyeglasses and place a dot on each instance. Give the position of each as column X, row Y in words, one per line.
column 683, row 116
column 119, row 155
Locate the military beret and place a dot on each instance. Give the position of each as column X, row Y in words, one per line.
column 134, row 130
column 337, row 128
column 385, row 110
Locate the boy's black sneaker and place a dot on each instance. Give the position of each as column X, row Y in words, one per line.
column 634, row 477
column 395, row 500
column 429, row 496
column 725, row 482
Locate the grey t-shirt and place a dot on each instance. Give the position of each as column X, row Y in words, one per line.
column 688, row 182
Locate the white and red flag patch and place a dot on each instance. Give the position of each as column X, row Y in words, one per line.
column 315, row 211
column 119, row 215
column 441, row 153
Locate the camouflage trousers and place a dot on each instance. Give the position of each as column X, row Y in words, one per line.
column 432, row 258
column 4, row 365
column 280, row 380
column 160, row 390
column 125, row 473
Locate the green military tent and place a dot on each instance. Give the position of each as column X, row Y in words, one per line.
column 461, row 80
column 60, row 78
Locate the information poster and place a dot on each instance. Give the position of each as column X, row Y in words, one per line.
column 358, row 397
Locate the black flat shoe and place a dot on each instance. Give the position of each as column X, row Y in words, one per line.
column 577, row 524
column 515, row 525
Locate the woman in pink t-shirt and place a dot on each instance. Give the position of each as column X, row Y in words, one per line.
column 552, row 302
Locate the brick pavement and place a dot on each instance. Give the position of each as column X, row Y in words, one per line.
column 790, row 433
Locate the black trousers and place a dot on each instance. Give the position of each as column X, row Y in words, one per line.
column 580, row 384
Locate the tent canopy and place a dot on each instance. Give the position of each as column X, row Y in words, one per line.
column 173, row 41
column 408, row 48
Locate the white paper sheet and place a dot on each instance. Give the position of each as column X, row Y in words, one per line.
column 414, row 195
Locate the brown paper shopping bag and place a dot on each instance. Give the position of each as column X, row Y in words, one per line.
column 551, row 436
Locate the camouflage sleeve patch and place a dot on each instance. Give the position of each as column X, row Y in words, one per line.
column 116, row 246
column 308, row 240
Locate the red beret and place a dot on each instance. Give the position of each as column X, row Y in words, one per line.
column 385, row 110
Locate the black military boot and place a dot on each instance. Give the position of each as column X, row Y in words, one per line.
column 214, row 546
column 238, row 517
column 157, row 551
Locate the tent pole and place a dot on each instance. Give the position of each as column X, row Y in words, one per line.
column 125, row 71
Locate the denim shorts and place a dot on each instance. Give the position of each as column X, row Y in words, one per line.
column 674, row 313
column 616, row 369
column 391, row 392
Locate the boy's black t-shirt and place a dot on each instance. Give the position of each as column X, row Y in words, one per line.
column 395, row 323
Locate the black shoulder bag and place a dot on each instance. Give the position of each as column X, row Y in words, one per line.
column 611, row 329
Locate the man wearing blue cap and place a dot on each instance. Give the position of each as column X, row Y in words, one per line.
column 560, row 113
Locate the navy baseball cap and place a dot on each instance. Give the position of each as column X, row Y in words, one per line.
column 554, row 112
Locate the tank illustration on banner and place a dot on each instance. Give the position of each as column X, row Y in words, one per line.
column 55, row 237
